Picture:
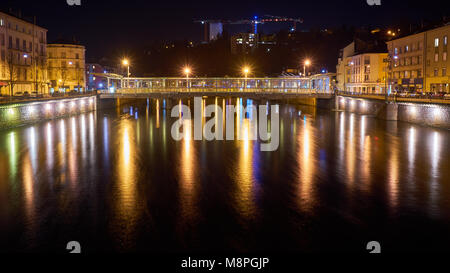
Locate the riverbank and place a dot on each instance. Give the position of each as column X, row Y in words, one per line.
column 24, row 113
column 427, row 114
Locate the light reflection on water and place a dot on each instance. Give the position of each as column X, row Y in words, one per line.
column 121, row 179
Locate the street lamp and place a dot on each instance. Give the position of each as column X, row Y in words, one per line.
column 305, row 64
column 246, row 71
column 126, row 63
column 187, row 71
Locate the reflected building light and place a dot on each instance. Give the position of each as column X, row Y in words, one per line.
column 61, row 106
column 435, row 186
column 49, row 148
column 32, row 142
column 12, row 150
column 435, row 153
column 157, row 114
column 92, row 137
column 352, row 125
column 393, row 174
column 106, row 139
column 411, row 148
column 83, row 137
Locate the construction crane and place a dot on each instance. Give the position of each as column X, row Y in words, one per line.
column 213, row 28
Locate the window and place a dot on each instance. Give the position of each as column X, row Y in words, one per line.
column 445, row 40
column 444, row 56
column 436, row 57
column 2, row 39
column 395, row 51
column 3, row 55
column 444, row 72
column 436, row 42
column 406, row 74
column 17, row 43
column 406, row 48
column 366, row 59
column 419, row 73
column 77, row 56
column 24, row 44
column 435, row 72
column 2, row 22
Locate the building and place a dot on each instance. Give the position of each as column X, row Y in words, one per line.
column 406, row 68
column 95, row 80
column 362, row 68
column 244, row 43
column 419, row 62
column 66, row 66
column 437, row 78
column 23, row 56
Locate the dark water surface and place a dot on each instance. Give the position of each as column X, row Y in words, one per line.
column 115, row 180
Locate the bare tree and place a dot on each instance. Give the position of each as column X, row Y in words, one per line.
column 63, row 72
column 13, row 72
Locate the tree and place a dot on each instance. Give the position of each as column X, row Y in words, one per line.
column 13, row 72
column 63, row 75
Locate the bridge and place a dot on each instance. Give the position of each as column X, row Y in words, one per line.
column 321, row 85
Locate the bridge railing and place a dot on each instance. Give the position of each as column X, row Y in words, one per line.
column 284, row 85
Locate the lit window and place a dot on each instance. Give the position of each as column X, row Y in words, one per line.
column 2, row 22
column 436, row 42
column 444, row 72
column 435, row 72
column 445, row 40
column 444, row 56
column 436, row 57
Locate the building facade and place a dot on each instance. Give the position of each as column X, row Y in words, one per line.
column 437, row 76
column 362, row 68
column 419, row 62
column 66, row 67
column 406, row 63
column 23, row 56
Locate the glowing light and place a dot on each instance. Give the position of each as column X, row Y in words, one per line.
column 187, row 70
column 125, row 62
column 437, row 112
column 82, row 103
column 61, row 106
column 48, row 107
column 246, row 70
column 307, row 62
column 72, row 104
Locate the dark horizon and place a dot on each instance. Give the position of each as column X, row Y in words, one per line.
column 131, row 24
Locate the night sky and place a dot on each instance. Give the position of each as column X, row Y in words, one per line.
column 106, row 27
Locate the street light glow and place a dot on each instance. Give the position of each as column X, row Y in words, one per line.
column 307, row 62
column 125, row 62
column 246, row 71
column 187, row 70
